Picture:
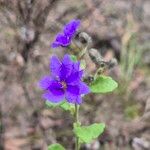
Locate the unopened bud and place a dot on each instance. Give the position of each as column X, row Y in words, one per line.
column 88, row 79
column 99, row 60
column 84, row 38
column 113, row 62
column 96, row 56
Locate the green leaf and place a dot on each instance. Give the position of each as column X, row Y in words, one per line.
column 68, row 107
column 64, row 105
column 56, row 147
column 73, row 57
column 103, row 84
column 87, row 133
column 53, row 105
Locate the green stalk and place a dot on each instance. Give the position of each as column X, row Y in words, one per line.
column 77, row 144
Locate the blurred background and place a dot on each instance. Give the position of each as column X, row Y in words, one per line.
column 119, row 28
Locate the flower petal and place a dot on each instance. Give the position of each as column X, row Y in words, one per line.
column 53, row 98
column 74, row 77
column 66, row 67
column 72, row 93
column 55, row 44
column 71, row 28
column 61, row 40
column 79, row 100
column 70, row 98
column 73, row 89
column 84, row 89
column 76, row 66
column 56, row 88
column 73, row 99
column 76, row 74
column 55, row 65
column 67, row 60
column 45, row 82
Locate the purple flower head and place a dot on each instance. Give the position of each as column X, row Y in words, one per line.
column 64, row 39
column 71, row 28
column 61, row 40
column 64, row 81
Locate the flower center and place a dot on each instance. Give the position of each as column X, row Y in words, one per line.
column 64, row 85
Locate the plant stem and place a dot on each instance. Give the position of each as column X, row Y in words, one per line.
column 77, row 144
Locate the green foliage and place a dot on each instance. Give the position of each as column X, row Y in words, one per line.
column 103, row 84
column 87, row 133
column 53, row 105
column 56, row 147
column 64, row 105
column 73, row 57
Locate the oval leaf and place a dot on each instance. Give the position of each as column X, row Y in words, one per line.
column 64, row 105
column 56, row 147
column 53, row 105
column 103, row 84
column 87, row 133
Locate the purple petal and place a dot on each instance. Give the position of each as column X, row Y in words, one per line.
column 74, row 77
column 71, row 98
column 72, row 93
column 53, row 98
column 56, row 88
column 76, row 66
column 76, row 74
column 71, row 28
column 73, row 89
column 66, row 67
column 55, row 65
column 67, row 60
column 79, row 100
column 61, row 40
column 45, row 82
column 55, row 45
column 84, row 89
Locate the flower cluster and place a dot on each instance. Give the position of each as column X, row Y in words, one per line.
column 64, row 38
column 64, row 82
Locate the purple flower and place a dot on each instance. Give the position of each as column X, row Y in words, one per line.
column 61, row 40
column 64, row 81
column 71, row 28
column 64, row 39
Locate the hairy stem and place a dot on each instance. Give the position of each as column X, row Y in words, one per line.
column 77, row 144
